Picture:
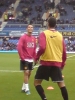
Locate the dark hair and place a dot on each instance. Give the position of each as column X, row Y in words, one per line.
column 52, row 22
column 29, row 24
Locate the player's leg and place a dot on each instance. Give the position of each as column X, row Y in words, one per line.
column 22, row 68
column 26, row 81
column 40, row 75
column 27, row 74
column 25, row 86
column 56, row 76
column 63, row 90
column 39, row 88
column 62, row 86
column 30, row 68
column 24, row 65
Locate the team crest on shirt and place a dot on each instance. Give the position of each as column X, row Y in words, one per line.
column 32, row 39
column 25, row 67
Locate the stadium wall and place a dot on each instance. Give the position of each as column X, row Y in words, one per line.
column 19, row 33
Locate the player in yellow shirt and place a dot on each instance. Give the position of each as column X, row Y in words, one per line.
column 52, row 55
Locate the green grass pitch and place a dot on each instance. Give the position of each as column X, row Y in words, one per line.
column 11, row 80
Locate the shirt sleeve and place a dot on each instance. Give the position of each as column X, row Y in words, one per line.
column 42, row 45
column 20, row 48
column 63, row 55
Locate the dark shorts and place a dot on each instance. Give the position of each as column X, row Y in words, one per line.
column 46, row 72
column 25, row 65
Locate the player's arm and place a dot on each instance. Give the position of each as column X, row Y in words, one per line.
column 63, row 55
column 34, row 53
column 20, row 48
column 42, row 45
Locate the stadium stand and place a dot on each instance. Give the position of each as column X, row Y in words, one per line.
column 15, row 15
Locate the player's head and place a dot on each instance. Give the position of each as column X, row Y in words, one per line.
column 30, row 29
column 51, row 22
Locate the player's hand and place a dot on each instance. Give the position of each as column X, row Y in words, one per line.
column 35, row 62
column 62, row 66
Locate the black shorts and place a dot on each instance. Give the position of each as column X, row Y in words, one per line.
column 25, row 65
column 46, row 72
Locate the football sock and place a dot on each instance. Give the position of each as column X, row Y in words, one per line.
column 41, row 92
column 26, row 87
column 23, row 86
column 64, row 93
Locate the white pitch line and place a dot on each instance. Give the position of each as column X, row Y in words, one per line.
column 70, row 56
column 71, row 59
column 13, row 71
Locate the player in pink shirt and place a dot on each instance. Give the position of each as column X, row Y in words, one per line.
column 27, row 51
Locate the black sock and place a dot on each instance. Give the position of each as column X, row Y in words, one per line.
column 41, row 92
column 64, row 93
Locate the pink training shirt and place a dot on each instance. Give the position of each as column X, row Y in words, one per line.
column 27, row 47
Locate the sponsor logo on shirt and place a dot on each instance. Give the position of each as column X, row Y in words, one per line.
column 30, row 44
column 53, row 36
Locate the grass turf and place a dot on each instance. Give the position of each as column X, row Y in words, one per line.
column 11, row 82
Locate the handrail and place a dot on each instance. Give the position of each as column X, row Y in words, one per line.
column 22, row 24
column 65, row 24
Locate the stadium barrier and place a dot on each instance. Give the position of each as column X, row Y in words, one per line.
column 15, row 51
column 70, row 35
